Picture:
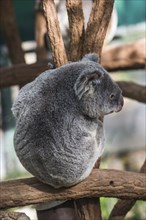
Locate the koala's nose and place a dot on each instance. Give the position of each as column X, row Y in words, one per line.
column 120, row 103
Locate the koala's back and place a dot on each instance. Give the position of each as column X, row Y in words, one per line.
column 53, row 140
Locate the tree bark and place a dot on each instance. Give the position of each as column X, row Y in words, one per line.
column 111, row 60
column 16, row 75
column 107, row 183
column 122, row 207
column 76, row 28
column 133, row 90
column 7, row 215
column 40, row 32
column 54, row 33
column 89, row 208
column 97, row 26
column 10, row 31
column 128, row 56
column 21, row 73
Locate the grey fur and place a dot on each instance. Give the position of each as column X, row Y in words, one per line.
column 58, row 135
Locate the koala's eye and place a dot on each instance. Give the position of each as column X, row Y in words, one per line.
column 94, row 82
column 112, row 95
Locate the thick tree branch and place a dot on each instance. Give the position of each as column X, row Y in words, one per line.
column 54, row 33
column 21, row 73
column 5, row 215
column 112, row 60
column 128, row 56
column 107, row 183
column 89, row 208
column 133, row 90
column 40, row 32
column 97, row 26
column 76, row 27
column 122, row 207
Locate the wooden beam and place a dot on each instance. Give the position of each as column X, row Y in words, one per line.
column 105, row 183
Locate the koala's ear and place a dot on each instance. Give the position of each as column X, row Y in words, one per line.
column 91, row 57
column 82, row 83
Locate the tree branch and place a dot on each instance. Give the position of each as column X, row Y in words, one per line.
column 107, row 183
column 54, row 33
column 122, row 207
column 133, row 90
column 21, row 73
column 89, row 208
column 7, row 215
column 128, row 56
column 97, row 26
column 40, row 31
column 10, row 31
column 76, row 28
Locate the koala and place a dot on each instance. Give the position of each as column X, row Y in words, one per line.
column 59, row 135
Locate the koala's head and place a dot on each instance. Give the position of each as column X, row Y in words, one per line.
column 97, row 93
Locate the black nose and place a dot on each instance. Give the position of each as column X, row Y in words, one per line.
column 120, row 103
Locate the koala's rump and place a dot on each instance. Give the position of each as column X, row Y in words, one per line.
column 56, row 156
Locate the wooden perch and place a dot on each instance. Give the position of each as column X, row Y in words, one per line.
column 10, row 31
column 124, row 57
column 54, row 33
column 97, row 26
column 76, row 28
column 122, row 207
column 133, row 90
column 107, row 183
column 7, row 215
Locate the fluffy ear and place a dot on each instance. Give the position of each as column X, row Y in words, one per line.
column 82, row 83
column 91, row 57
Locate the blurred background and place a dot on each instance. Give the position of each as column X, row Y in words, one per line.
column 125, row 131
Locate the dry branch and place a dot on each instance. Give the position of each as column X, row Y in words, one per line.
column 5, row 215
column 54, row 33
column 122, row 207
column 76, row 27
column 40, row 31
column 97, row 26
column 128, row 56
column 133, row 91
column 10, row 31
column 107, row 183
column 21, row 73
